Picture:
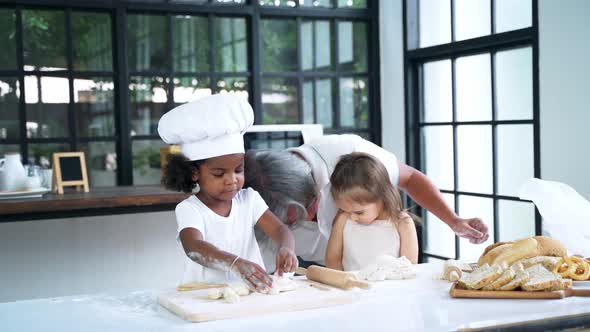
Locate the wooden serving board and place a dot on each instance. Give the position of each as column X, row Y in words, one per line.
column 194, row 305
column 480, row 294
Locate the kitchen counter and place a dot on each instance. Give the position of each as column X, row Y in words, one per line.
column 421, row 304
column 99, row 201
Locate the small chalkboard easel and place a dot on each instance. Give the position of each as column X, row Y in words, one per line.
column 69, row 169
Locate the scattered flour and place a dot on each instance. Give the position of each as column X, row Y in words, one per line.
column 387, row 267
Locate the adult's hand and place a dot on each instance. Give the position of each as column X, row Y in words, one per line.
column 472, row 229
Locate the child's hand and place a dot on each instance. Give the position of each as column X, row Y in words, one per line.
column 286, row 261
column 252, row 274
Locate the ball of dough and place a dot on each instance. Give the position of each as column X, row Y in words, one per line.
column 214, row 294
column 230, row 295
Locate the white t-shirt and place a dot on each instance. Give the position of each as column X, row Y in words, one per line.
column 323, row 153
column 234, row 233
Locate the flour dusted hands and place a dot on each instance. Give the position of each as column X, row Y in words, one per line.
column 286, row 261
column 472, row 229
column 252, row 274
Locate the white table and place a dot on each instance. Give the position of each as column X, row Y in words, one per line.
column 407, row 305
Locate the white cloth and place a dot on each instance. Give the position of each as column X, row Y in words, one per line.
column 208, row 127
column 234, row 233
column 323, row 153
column 362, row 244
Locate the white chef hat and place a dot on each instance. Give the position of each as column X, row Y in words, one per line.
column 208, row 127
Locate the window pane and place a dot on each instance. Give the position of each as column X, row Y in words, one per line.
column 512, row 14
column 440, row 238
column 352, row 46
column 435, row 22
column 8, row 148
column 352, row 3
column 237, row 85
column 514, row 84
column 191, row 46
column 101, row 161
column 7, row 39
column 354, row 103
column 469, row 207
column 147, row 42
column 474, row 153
column 233, row 2
column 42, row 153
column 231, row 45
column 94, row 106
column 315, row 3
column 277, row 3
column 515, row 157
column 308, row 101
column 279, row 101
column 316, row 45
column 39, row 27
column 9, row 100
column 148, row 97
column 187, row 89
column 279, row 45
column 438, row 91
column 474, row 91
column 516, row 220
column 146, row 161
column 317, row 98
column 438, row 158
column 91, row 40
column 47, row 101
column 472, row 18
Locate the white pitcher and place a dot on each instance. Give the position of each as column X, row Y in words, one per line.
column 12, row 173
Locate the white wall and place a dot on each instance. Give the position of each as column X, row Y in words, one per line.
column 59, row 257
column 391, row 44
column 564, row 77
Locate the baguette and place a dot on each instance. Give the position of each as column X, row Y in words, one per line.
column 491, row 255
column 521, row 249
column 547, row 246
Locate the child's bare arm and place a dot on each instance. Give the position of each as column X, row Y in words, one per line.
column 206, row 254
column 335, row 243
column 408, row 239
column 286, row 261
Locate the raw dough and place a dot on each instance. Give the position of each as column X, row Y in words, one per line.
column 240, row 288
column 281, row 284
column 230, row 295
column 387, row 267
column 215, row 294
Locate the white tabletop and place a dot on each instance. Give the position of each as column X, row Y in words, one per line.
column 405, row 305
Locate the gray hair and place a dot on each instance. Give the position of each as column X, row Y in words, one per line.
column 282, row 179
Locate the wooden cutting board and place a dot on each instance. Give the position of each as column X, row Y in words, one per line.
column 194, row 306
column 480, row 294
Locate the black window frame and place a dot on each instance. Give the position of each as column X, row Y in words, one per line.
column 415, row 57
column 251, row 10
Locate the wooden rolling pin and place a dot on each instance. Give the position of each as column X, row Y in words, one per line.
column 332, row 277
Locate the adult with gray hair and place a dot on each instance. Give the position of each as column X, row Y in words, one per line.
column 295, row 183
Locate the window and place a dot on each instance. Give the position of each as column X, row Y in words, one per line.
column 472, row 114
column 97, row 78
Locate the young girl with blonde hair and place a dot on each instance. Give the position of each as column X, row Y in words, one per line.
column 370, row 221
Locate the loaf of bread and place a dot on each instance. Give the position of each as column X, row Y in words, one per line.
column 506, row 252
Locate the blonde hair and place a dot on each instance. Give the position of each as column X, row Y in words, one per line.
column 362, row 178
